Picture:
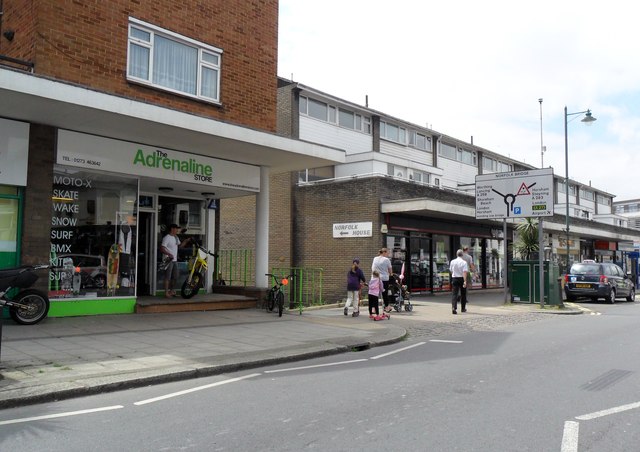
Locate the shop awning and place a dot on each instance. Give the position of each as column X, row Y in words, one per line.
column 31, row 98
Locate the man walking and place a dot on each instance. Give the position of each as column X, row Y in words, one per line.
column 459, row 270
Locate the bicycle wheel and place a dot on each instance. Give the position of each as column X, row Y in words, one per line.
column 280, row 299
column 271, row 300
column 191, row 286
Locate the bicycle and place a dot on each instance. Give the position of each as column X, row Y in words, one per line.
column 276, row 293
column 197, row 267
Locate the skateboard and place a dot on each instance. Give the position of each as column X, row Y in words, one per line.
column 113, row 264
column 381, row 317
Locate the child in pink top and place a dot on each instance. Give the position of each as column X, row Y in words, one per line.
column 375, row 289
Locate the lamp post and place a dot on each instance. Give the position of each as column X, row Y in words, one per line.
column 588, row 118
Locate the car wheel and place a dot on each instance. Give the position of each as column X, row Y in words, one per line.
column 632, row 295
column 611, row 296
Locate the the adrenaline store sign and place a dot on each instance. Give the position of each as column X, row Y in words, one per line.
column 106, row 154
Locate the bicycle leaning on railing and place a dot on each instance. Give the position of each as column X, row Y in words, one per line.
column 275, row 297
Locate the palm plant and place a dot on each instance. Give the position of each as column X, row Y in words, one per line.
column 527, row 242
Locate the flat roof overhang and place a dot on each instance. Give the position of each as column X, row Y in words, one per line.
column 422, row 207
column 31, row 98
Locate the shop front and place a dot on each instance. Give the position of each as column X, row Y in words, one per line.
column 14, row 152
column 425, row 252
column 111, row 205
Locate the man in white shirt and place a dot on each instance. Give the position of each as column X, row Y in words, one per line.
column 459, row 270
column 169, row 247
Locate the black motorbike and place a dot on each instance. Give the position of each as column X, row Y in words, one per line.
column 26, row 306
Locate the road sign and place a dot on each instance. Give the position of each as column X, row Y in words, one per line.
column 515, row 194
column 344, row 230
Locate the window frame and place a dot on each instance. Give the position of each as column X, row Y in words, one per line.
column 202, row 65
column 384, row 133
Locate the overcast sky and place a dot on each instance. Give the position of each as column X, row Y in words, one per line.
column 477, row 68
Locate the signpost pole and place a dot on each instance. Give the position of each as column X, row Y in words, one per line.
column 505, row 267
column 541, row 262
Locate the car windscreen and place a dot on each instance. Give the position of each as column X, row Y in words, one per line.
column 586, row 269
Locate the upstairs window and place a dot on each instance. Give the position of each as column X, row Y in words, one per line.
column 420, row 141
column 588, row 195
column 172, row 62
column 393, row 132
column 458, row 154
column 334, row 115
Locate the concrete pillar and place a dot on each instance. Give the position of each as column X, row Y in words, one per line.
column 262, row 229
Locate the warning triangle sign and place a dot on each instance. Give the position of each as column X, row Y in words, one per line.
column 524, row 190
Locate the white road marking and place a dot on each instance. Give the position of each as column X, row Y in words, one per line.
column 618, row 409
column 582, row 308
column 289, row 369
column 54, row 416
column 570, row 437
column 199, row 388
column 445, row 342
column 398, row 351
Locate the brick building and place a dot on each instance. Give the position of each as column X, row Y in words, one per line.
column 119, row 118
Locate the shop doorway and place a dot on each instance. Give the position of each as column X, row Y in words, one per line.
column 146, row 254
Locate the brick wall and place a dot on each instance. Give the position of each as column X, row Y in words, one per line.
column 36, row 229
column 238, row 219
column 17, row 17
column 316, row 208
column 86, row 43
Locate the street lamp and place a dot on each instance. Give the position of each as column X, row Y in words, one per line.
column 588, row 118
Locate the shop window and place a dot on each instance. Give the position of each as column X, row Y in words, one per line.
column 93, row 230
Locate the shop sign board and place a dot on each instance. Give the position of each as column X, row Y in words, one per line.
column 14, row 152
column 107, row 154
column 515, row 194
column 346, row 230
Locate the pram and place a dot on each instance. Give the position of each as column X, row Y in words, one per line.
column 399, row 294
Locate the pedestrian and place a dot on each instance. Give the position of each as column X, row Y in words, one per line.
column 169, row 248
column 355, row 280
column 382, row 265
column 472, row 268
column 375, row 288
column 459, row 270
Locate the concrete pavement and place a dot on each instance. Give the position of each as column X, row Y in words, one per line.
column 74, row 356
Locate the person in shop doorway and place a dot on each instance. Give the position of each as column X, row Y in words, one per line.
column 169, row 248
column 355, row 281
column 382, row 265
column 471, row 269
column 459, row 270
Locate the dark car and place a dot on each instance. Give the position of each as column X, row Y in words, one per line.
column 598, row 280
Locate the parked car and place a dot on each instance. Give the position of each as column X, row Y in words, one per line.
column 598, row 280
column 93, row 269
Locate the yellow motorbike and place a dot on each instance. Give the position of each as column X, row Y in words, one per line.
column 197, row 267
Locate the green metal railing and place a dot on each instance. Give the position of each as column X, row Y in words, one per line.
column 236, row 267
column 305, row 289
